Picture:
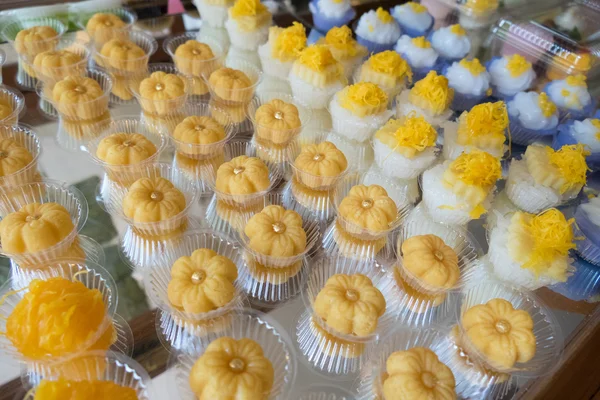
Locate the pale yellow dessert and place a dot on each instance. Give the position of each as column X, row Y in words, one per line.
column 388, row 70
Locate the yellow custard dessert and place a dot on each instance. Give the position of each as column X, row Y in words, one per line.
column 103, row 27
column 13, row 157
column 501, row 334
column 350, row 304
column 153, row 200
column 231, row 85
column 35, row 40
column 202, row 282
column 277, row 122
column 320, row 165
column 54, row 65
column 125, row 149
column 161, row 93
column 344, row 48
column 416, row 374
column 198, row 130
column 196, row 59
column 388, row 70
column 123, row 55
column 242, row 175
column 89, row 389
column 231, row 368
column 79, row 98
column 368, row 207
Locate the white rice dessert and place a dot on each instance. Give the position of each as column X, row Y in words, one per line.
column 533, row 111
column 570, row 93
column 546, row 178
column 316, row 76
column 458, row 191
column 405, row 148
column 532, row 250
column 413, row 18
column 214, row 12
column 420, row 215
column 388, row 70
column 417, row 51
column 483, row 128
column 344, row 48
column 248, row 24
column 469, row 77
column 332, row 9
column 501, row 207
column 281, row 50
column 359, row 155
column 378, row 26
column 451, row 42
column 404, row 192
column 430, row 97
column 358, row 110
column 270, row 83
column 210, row 33
column 511, row 74
column 587, row 132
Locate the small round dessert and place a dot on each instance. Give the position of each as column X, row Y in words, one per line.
column 235, row 84
column 242, row 181
column 12, row 103
column 161, row 91
column 405, row 148
column 281, row 50
column 367, row 208
column 107, row 24
column 586, row 132
column 248, row 24
column 470, row 81
column 329, row 14
column 546, row 178
column 510, row 75
column 344, row 48
column 421, row 57
column 461, row 190
column 571, row 96
column 484, row 127
column 318, row 166
column 430, row 97
column 214, row 12
column 358, row 110
column 587, row 225
column 533, row 117
column 68, row 58
column 451, row 43
column 377, row 30
column 200, row 136
column 82, row 97
column 387, row 70
column 530, row 250
column 315, row 76
column 413, row 18
column 20, row 150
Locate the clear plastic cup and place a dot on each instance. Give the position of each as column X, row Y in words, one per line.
column 51, row 74
column 16, row 101
column 102, row 34
column 228, row 218
column 235, row 96
column 24, row 136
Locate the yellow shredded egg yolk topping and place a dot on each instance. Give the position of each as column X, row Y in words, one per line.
column 488, row 120
column 458, row 30
column 571, row 164
column 247, row 8
column 289, row 42
column 474, row 66
column 317, row 57
column 517, row 65
column 390, row 63
column 416, row 7
column 384, row 16
column 577, row 80
column 341, row 39
column 546, row 105
column 432, row 93
column 421, row 42
column 409, row 136
column 364, row 93
column 477, row 168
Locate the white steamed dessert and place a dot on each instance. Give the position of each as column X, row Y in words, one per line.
column 430, row 97
column 470, row 81
column 413, row 18
column 532, row 116
column 332, row 9
column 377, row 30
column 571, row 95
column 545, row 177
column 388, row 70
column 328, row 14
column 511, row 75
column 451, row 42
column 483, row 127
column 419, row 54
column 248, row 24
column 587, row 132
column 281, row 50
column 214, row 12
column 358, row 110
column 344, row 48
column 404, row 148
column 532, row 250
column 458, row 191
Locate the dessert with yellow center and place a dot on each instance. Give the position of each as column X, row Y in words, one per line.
column 377, row 30
column 458, row 191
column 79, row 98
column 419, row 54
column 195, row 135
column 510, row 75
column 231, row 85
column 413, row 18
column 545, row 177
column 404, row 148
column 103, row 27
column 430, row 97
column 276, row 122
column 533, row 116
column 281, row 50
column 214, row 12
column 248, row 24
column 37, row 39
column 387, row 70
column 344, row 48
column 470, row 81
column 319, row 165
column 571, row 95
column 153, row 200
column 451, row 43
column 196, row 59
column 82, row 389
column 241, row 177
column 532, row 250
column 484, row 127
column 14, row 157
column 417, row 373
column 315, row 76
column 122, row 57
column 54, row 65
column 232, row 368
column 161, row 93
column 586, row 132
column 499, row 333
column 358, row 110
column 57, row 318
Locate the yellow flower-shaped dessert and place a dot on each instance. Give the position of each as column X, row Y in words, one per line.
column 75, row 95
column 317, row 66
column 54, row 65
column 409, row 136
column 368, row 207
column 432, row 94
column 432, row 263
column 418, row 374
column 35, row 40
column 277, row 122
column 92, row 390
column 123, row 55
column 35, row 227
column 202, row 282
column 484, row 127
column 162, row 93
column 13, row 157
column 231, row 85
column 153, row 200
column 388, row 70
column 103, row 27
column 195, row 58
column 125, row 149
column 502, row 335
column 243, row 175
column 230, row 369
column 363, row 99
column 350, row 304
column 198, row 130
column 320, row 164
column 563, row 170
column 276, row 232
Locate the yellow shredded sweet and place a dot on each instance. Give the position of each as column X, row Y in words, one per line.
column 317, row 57
column 341, row 39
column 546, row 105
column 477, row 168
column 417, row 7
column 552, row 236
column 85, row 389
column 384, row 16
column 247, row 8
column 432, row 93
column 364, row 94
column 289, row 42
column 577, row 80
column 390, row 63
column 571, row 164
column 517, row 65
column 458, row 30
column 413, row 133
column 488, row 119
column 482, row 6
column 474, row 66
column 421, row 42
